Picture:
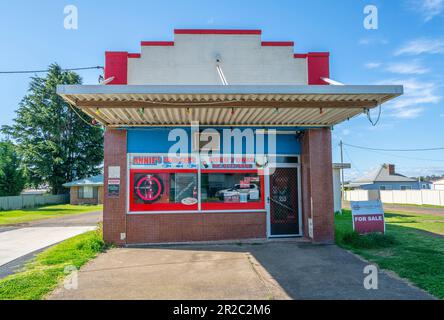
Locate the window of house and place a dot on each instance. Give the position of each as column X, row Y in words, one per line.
column 381, row 187
column 231, row 190
column 86, row 192
column 163, row 190
column 406, row 188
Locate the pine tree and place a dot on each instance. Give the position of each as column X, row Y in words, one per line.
column 12, row 179
column 55, row 144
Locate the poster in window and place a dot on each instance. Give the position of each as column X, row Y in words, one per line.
column 163, row 191
column 149, row 188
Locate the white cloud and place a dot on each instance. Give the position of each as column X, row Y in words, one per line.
column 420, row 46
column 411, row 67
column 408, row 67
column 428, row 8
column 416, row 94
column 372, row 41
column 408, row 113
column 421, row 171
column 373, row 65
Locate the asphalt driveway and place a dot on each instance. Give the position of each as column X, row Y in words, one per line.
column 19, row 243
column 270, row 270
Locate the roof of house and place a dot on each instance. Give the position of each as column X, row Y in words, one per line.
column 440, row 181
column 382, row 174
column 90, row 181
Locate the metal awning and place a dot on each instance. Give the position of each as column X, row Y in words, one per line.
column 233, row 105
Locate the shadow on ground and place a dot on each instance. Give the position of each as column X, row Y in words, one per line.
column 267, row 270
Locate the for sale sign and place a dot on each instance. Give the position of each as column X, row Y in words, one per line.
column 368, row 216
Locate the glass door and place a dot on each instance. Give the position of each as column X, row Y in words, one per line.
column 284, row 202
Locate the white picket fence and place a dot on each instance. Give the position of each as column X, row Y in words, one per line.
column 31, row 201
column 419, row 197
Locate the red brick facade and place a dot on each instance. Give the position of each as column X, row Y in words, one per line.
column 317, row 184
column 317, row 199
column 195, row 227
column 114, row 208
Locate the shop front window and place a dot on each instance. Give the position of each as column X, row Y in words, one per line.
column 231, row 190
column 163, row 191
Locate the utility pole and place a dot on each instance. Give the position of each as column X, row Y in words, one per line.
column 342, row 171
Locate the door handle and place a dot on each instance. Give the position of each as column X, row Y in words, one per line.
column 268, row 199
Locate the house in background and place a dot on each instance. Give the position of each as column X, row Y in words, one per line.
column 385, row 178
column 438, row 185
column 337, row 192
column 86, row 191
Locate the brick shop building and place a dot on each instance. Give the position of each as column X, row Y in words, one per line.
column 251, row 123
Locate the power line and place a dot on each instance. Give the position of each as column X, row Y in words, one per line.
column 44, row 71
column 405, row 157
column 353, row 164
column 395, row 150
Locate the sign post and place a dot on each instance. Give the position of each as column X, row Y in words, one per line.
column 368, row 216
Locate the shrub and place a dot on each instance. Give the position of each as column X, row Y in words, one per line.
column 368, row 241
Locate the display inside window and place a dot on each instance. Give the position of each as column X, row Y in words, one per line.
column 164, row 190
column 221, row 190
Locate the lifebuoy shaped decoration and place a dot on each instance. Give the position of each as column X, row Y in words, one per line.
column 149, row 188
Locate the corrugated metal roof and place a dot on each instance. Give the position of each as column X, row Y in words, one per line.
column 276, row 105
column 90, row 181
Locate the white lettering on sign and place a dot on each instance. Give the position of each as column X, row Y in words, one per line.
column 368, row 216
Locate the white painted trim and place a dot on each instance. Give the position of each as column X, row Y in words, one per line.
column 230, row 89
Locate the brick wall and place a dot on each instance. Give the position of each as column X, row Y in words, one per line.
column 151, row 228
column 114, row 208
column 317, row 184
column 75, row 200
column 317, row 199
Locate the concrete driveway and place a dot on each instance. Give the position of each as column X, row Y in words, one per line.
column 270, row 270
column 20, row 243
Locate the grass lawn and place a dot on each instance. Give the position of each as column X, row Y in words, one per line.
column 25, row 215
column 42, row 275
column 413, row 247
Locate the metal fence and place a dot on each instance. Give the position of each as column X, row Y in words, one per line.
column 31, row 201
column 419, row 197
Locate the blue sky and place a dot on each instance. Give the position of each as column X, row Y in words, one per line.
column 407, row 48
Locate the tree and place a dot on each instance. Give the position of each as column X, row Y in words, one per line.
column 12, row 179
column 56, row 143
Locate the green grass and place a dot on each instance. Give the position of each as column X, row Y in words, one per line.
column 413, row 247
column 42, row 275
column 26, row 215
